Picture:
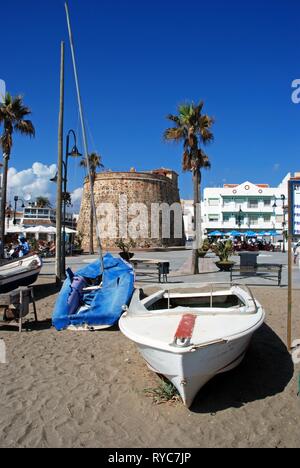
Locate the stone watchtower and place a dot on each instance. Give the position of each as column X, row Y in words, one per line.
column 140, row 200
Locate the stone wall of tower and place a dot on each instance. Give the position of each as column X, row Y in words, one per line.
column 145, row 188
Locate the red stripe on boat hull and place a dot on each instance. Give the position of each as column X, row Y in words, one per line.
column 186, row 327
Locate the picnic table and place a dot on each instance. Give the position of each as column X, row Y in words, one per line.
column 265, row 270
column 14, row 306
column 150, row 266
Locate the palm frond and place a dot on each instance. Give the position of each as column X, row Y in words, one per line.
column 192, row 128
column 203, row 159
column 25, row 127
column 174, row 118
column 12, row 113
column 95, row 162
column 174, row 134
column 199, row 108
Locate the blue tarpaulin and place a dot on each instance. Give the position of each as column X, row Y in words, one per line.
column 101, row 307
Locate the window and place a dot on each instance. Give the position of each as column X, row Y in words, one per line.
column 227, row 201
column 253, row 203
column 267, row 202
column 239, row 202
column 226, row 218
column 213, row 218
column 267, row 218
column 213, row 202
column 253, row 220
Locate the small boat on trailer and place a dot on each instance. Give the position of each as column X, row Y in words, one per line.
column 190, row 334
column 20, row 272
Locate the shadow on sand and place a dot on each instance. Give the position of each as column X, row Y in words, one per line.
column 266, row 371
column 41, row 291
column 28, row 326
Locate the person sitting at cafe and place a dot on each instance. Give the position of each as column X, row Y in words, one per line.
column 24, row 247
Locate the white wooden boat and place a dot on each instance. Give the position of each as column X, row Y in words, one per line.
column 20, row 272
column 192, row 333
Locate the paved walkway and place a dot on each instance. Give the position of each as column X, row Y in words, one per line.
column 180, row 263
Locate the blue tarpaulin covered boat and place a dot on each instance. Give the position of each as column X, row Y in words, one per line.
column 82, row 303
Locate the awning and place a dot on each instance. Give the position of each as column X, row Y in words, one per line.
column 14, row 230
column 216, row 234
column 41, row 230
column 270, row 234
column 251, row 234
column 70, row 231
column 234, row 234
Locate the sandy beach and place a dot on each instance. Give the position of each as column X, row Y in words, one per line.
column 87, row 390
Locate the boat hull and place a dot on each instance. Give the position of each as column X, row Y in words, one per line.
column 189, row 372
column 21, row 272
column 192, row 333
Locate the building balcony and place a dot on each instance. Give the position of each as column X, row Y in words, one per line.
column 245, row 226
column 261, row 209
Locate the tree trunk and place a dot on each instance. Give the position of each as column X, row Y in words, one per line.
column 195, row 258
column 92, row 231
column 3, row 203
column 92, row 227
column 200, row 233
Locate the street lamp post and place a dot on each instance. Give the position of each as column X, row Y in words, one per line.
column 16, row 200
column 8, row 212
column 283, row 198
column 239, row 218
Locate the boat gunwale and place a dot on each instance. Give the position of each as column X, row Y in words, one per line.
column 150, row 343
column 243, row 292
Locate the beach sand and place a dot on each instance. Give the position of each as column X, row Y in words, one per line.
column 87, row 390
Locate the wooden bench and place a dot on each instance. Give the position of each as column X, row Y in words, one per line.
column 264, row 270
column 148, row 267
column 14, row 306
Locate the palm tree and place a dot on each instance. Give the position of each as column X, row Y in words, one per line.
column 193, row 128
column 43, row 202
column 67, row 198
column 13, row 115
column 95, row 163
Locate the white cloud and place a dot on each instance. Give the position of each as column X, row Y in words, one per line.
column 76, row 199
column 34, row 182
column 77, row 195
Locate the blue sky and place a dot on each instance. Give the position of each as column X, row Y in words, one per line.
column 139, row 59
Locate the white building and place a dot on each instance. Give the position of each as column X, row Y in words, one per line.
column 241, row 207
column 244, row 207
column 31, row 217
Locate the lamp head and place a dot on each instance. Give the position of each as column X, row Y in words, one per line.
column 54, row 179
column 75, row 152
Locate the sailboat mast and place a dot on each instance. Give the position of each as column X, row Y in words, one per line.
column 85, row 143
